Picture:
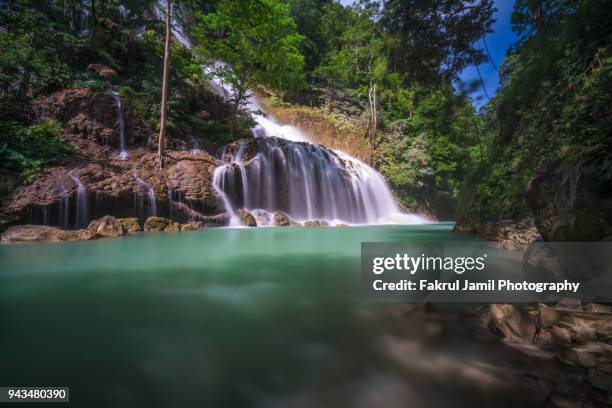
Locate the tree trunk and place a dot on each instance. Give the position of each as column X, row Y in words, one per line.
column 164, row 101
column 373, row 120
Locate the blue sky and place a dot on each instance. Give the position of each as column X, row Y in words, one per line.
column 498, row 42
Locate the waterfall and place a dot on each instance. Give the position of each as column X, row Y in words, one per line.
column 143, row 189
column 282, row 170
column 123, row 154
column 123, row 13
column 82, row 206
column 84, row 18
column 305, row 181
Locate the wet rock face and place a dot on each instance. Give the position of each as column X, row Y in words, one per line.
column 90, row 115
column 43, row 233
column 189, row 179
column 182, row 190
column 572, row 201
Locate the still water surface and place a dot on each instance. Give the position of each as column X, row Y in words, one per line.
column 268, row 317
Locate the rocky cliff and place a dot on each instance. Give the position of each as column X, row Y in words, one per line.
column 97, row 182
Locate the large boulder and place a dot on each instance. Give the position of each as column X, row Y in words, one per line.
column 43, row 233
column 107, row 226
column 246, row 218
column 280, row 219
column 158, row 224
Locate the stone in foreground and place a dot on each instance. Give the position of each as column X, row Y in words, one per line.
column 43, row 233
column 281, row 219
column 107, row 226
column 246, row 218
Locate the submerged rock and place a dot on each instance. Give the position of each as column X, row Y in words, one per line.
column 246, row 218
column 158, row 224
column 43, row 233
column 315, row 223
column 107, row 226
column 130, row 225
column 281, row 219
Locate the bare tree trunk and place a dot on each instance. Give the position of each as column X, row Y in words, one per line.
column 373, row 120
column 164, row 101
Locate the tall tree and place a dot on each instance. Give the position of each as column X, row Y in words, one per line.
column 435, row 37
column 164, row 98
column 258, row 41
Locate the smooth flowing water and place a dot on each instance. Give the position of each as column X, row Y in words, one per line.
column 123, row 154
column 266, row 317
column 143, row 190
column 304, row 180
column 82, row 203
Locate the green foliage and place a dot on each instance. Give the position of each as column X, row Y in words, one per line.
column 28, row 149
column 434, row 148
column 258, row 39
column 555, row 103
column 93, row 84
column 435, row 38
column 35, row 56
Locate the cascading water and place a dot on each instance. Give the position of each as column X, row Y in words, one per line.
column 123, row 154
column 84, row 18
column 303, row 180
column 82, row 205
column 282, row 170
column 141, row 190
